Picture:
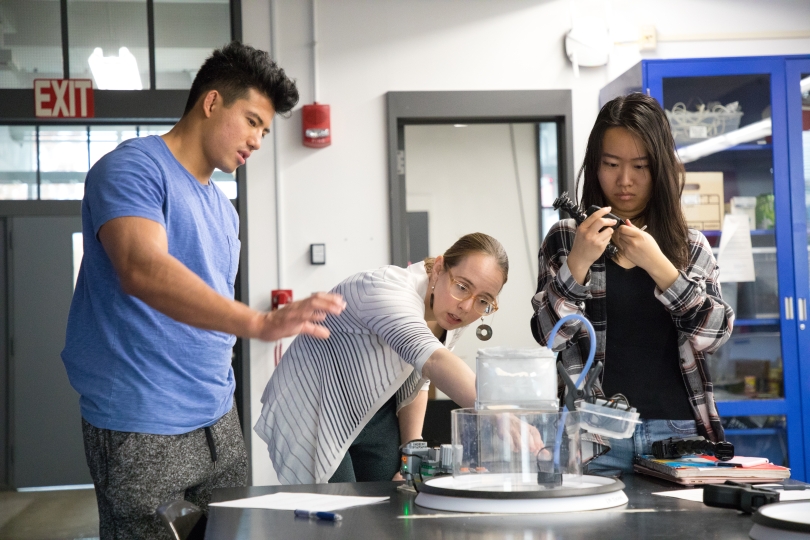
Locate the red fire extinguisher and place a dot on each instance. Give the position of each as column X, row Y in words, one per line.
column 278, row 299
column 317, row 125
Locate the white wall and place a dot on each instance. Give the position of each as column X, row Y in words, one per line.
column 338, row 195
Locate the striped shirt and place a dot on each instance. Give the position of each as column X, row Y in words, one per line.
column 324, row 392
column 704, row 322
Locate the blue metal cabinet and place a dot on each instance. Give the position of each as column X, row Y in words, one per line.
column 762, row 375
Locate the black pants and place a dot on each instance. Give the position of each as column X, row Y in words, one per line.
column 374, row 454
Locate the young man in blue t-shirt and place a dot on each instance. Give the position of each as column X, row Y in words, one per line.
column 153, row 318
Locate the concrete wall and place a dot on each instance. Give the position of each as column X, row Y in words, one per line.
column 338, row 195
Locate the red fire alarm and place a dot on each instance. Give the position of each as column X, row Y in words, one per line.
column 317, row 129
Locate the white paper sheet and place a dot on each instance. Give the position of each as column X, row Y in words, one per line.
column 685, row 494
column 736, row 257
column 748, row 461
column 696, row 494
column 314, row 502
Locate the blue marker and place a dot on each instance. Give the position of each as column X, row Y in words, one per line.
column 326, row 516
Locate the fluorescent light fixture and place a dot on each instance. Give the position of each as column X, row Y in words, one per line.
column 459, row 125
column 751, row 132
column 115, row 72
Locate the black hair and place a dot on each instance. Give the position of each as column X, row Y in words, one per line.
column 642, row 116
column 236, row 68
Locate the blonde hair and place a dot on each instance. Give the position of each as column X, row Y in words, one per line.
column 469, row 244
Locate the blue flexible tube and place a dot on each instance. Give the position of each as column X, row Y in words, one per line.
column 580, row 379
column 591, row 333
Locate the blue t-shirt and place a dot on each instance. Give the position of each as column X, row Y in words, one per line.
column 135, row 368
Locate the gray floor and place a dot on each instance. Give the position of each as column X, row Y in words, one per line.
column 48, row 515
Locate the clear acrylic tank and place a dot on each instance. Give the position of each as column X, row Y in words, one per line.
column 515, row 450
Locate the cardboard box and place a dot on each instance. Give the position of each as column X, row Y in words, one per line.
column 702, row 200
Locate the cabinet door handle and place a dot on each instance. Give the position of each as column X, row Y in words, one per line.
column 789, row 308
column 802, row 309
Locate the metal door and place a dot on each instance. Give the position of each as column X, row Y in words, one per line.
column 46, row 432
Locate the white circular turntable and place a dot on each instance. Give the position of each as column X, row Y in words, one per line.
column 782, row 521
column 512, row 494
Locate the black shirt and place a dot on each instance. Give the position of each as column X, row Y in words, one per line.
column 642, row 360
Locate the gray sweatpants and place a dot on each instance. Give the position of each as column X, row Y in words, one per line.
column 134, row 473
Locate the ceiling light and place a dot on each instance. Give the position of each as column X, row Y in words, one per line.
column 115, row 72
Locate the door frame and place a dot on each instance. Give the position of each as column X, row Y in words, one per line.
column 467, row 107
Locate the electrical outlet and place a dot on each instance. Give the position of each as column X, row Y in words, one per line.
column 647, row 38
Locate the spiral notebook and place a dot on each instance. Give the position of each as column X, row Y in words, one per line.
column 690, row 470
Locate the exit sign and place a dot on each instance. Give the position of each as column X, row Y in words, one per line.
column 63, row 98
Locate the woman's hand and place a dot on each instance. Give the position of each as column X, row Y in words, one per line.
column 397, row 478
column 519, row 432
column 641, row 249
column 590, row 242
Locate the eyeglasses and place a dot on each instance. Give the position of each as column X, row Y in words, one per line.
column 461, row 292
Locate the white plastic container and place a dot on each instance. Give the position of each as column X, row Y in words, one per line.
column 511, row 378
column 608, row 421
column 689, row 127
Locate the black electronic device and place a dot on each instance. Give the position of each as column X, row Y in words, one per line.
column 738, row 496
column 594, row 208
column 564, row 203
column 420, row 461
column 674, row 448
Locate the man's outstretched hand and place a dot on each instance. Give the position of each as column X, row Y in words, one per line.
column 300, row 317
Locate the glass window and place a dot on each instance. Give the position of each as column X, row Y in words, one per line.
column 104, row 139
column 18, row 162
column 549, row 175
column 730, row 171
column 63, row 161
column 145, row 131
column 749, row 364
column 805, row 122
column 30, row 42
column 186, row 32
column 226, row 182
column 761, row 436
column 108, row 43
column 66, row 153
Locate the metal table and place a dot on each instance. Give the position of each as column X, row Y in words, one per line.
column 646, row 516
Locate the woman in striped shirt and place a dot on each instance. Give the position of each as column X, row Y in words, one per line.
column 338, row 409
column 656, row 307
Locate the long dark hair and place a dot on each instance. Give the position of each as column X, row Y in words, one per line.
column 643, row 117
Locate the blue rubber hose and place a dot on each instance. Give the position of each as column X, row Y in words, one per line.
column 580, row 379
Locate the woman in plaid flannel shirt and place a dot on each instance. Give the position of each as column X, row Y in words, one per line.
column 631, row 170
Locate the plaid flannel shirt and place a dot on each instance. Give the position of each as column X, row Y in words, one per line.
column 704, row 322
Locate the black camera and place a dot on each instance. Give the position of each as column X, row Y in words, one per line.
column 619, row 221
column 564, row 203
column 673, row 448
